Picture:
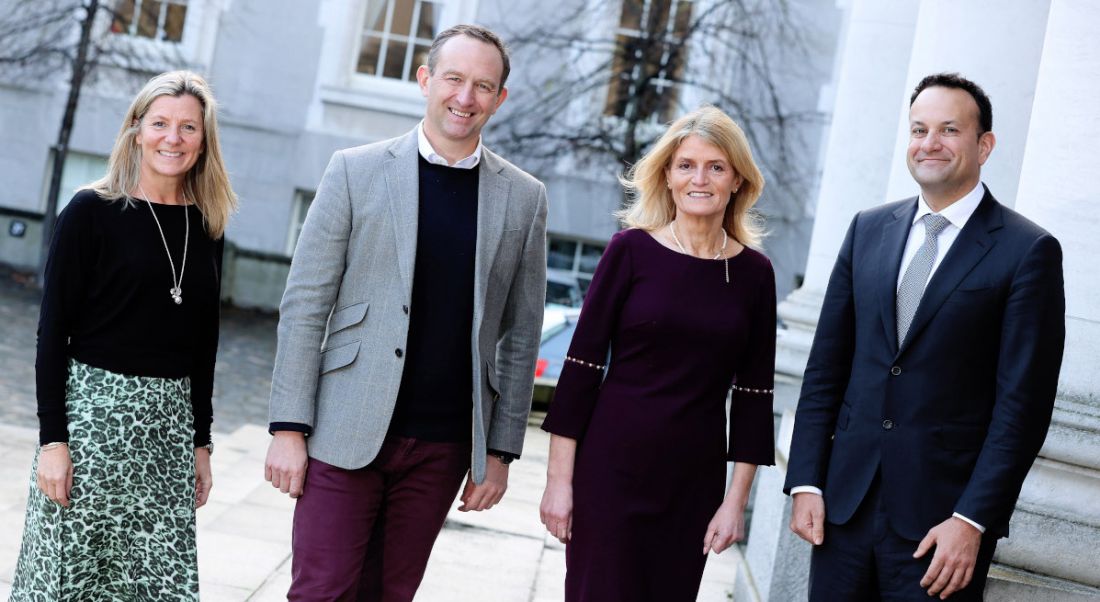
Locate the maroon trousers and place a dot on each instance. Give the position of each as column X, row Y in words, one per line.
column 365, row 535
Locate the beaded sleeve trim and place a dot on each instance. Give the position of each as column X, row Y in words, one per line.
column 752, row 390
column 584, row 363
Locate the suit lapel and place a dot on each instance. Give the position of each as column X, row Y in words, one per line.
column 894, row 235
column 402, row 171
column 492, row 206
column 972, row 244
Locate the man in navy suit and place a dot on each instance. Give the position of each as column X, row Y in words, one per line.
column 931, row 381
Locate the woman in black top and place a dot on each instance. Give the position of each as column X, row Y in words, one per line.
column 126, row 344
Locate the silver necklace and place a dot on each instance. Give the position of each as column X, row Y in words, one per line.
column 176, row 291
column 672, row 229
column 725, row 239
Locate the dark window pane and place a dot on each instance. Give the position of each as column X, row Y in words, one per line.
column 173, row 23
column 429, row 20
column 150, row 14
column 376, row 16
column 124, row 17
column 562, row 254
column 402, row 17
column 395, row 59
column 590, row 256
column 658, row 17
column 683, row 18
column 632, row 14
column 420, row 57
column 368, row 56
column 622, row 70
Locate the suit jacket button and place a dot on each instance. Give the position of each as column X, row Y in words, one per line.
column 405, row 308
column 887, row 424
column 896, row 370
column 398, row 352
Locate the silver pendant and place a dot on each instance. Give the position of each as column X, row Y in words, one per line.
column 176, row 293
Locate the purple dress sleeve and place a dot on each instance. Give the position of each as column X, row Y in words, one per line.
column 751, row 436
column 582, row 374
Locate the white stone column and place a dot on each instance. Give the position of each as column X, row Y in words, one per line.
column 869, row 79
column 995, row 43
column 1056, row 527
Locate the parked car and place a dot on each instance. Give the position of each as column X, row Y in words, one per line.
column 558, row 324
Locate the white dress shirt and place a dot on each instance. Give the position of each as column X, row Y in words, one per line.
column 957, row 214
column 428, row 152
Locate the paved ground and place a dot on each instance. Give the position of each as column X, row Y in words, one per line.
column 244, row 532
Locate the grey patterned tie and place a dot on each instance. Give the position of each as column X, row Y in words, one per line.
column 916, row 275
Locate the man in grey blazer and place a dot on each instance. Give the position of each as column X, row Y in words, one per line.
column 407, row 336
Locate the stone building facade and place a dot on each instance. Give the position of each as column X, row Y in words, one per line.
column 1037, row 59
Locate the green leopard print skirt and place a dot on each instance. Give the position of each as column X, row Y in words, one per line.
column 129, row 531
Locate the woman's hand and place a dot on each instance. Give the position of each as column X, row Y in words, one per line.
column 55, row 474
column 556, row 509
column 204, row 480
column 727, row 527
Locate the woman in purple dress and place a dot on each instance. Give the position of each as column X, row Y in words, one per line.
column 680, row 312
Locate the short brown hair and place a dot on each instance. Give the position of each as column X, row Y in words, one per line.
column 476, row 32
column 958, row 82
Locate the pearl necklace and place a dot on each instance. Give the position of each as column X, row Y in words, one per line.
column 176, row 291
column 725, row 239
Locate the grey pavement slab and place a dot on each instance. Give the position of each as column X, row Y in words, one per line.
column 244, row 531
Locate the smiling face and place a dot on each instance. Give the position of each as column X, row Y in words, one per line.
column 171, row 137
column 701, row 178
column 946, row 152
column 462, row 94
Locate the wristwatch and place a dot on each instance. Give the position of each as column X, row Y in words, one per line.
column 209, row 447
column 505, row 459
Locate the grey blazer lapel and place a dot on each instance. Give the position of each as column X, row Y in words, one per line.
column 492, row 205
column 402, row 170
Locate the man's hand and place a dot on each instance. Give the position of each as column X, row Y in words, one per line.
column 286, row 462
column 556, row 509
column 55, row 474
column 204, row 479
column 808, row 517
column 488, row 493
column 952, row 567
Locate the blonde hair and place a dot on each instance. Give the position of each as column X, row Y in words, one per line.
column 206, row 184
column 646, row 182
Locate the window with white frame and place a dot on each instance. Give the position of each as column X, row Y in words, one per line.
column 396, row 37
column 649, row 58
column 154, row 19
column 572, row 259
column 80, row 169
column 302, row 200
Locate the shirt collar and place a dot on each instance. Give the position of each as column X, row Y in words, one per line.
column 429, row 154
column 959, row 212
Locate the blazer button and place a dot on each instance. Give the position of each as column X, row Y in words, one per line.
column 398, row 352
column 896, row 370
column 887, row 424
column 405, row 308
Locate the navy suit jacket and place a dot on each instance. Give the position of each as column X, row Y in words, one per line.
column 954, row 416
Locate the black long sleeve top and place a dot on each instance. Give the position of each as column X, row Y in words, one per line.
column 106, row 303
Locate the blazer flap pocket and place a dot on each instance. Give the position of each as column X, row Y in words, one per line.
column 338, row 357
column 347, row 316
column 962, row 436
